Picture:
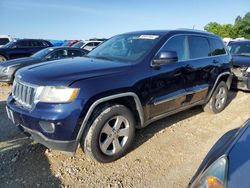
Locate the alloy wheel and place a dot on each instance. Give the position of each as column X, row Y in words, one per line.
column 114, row 135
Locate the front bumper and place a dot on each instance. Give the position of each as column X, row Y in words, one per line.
column 242, row 83
column 66, row 118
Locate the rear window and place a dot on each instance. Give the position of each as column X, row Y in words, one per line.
column 217, row 47
column 4, row 41
column 198, row 47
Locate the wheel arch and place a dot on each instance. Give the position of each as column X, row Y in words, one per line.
column 226, row 77
column 129, row 99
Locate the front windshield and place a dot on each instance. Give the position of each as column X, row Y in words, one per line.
column 10, row 44
column 127, row 47
column 240, row 48
column 42, row 53
column 78, row 44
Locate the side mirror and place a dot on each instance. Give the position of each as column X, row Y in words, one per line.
column 15, row 46
column 164, row 57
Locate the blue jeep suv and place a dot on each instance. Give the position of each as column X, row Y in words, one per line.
column 126, row 83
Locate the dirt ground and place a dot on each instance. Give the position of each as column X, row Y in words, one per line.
column 165, row 154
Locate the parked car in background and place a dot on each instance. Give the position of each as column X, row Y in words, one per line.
column 227, row 164
column 240, row 51
column 69, row 42
column 9, row 68
column 57, row 42
column 4, row 39
column 87, row 45
column 128, row 82
column 22, row 48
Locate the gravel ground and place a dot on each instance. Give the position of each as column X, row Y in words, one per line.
column 165, row 154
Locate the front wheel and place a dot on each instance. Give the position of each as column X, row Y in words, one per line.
column 110, row 135
column 2, row 58
column 218, row 101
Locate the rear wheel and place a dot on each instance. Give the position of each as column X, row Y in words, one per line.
column 110, row 135
column 218, row 101
column 2, row 58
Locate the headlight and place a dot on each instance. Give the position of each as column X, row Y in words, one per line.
column 214, row 176
column 51, row 94
column 248, row 69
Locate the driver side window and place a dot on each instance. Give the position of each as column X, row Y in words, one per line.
column 178, row 44
column 59, row 54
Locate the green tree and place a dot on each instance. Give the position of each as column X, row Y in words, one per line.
column 240, row 28
column 226, row 30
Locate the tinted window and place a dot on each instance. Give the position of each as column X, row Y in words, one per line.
column 74, row 53
column 44, row 43
column 91, row 44
column 198, row 47
column 36, row 43
column 240, row 48
column 23, row 43
column 4, row 41
column 217, row 47
column 96, row 43
column 179, row 45
column 58, row 54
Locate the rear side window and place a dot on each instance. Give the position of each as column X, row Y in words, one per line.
column 44, row 43
column 4, row 41
column 198, row 47
column 36, row 43
column 178, row 44
column 217, row 47
column 74, row 53
column 23, row 43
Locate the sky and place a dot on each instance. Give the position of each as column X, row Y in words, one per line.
column 82, row 19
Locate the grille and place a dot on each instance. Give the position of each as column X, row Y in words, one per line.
column 23, row 93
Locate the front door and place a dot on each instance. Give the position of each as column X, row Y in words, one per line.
column 168, row 82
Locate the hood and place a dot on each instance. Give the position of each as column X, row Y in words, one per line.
column 20, row 61
column 239, row 157
column 241, row 60
column 66, row 71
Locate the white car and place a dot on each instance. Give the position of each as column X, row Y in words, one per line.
column 87, row 45
column 4, row 39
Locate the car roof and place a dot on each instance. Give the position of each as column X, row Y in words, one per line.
column 176, row 31
column 31, row 39
column 239, row 42
column 65, row 47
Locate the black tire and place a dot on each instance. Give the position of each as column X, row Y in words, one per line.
column 99, row 133
column 213, row 105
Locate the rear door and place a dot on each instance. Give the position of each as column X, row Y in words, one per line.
column 197, row 69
